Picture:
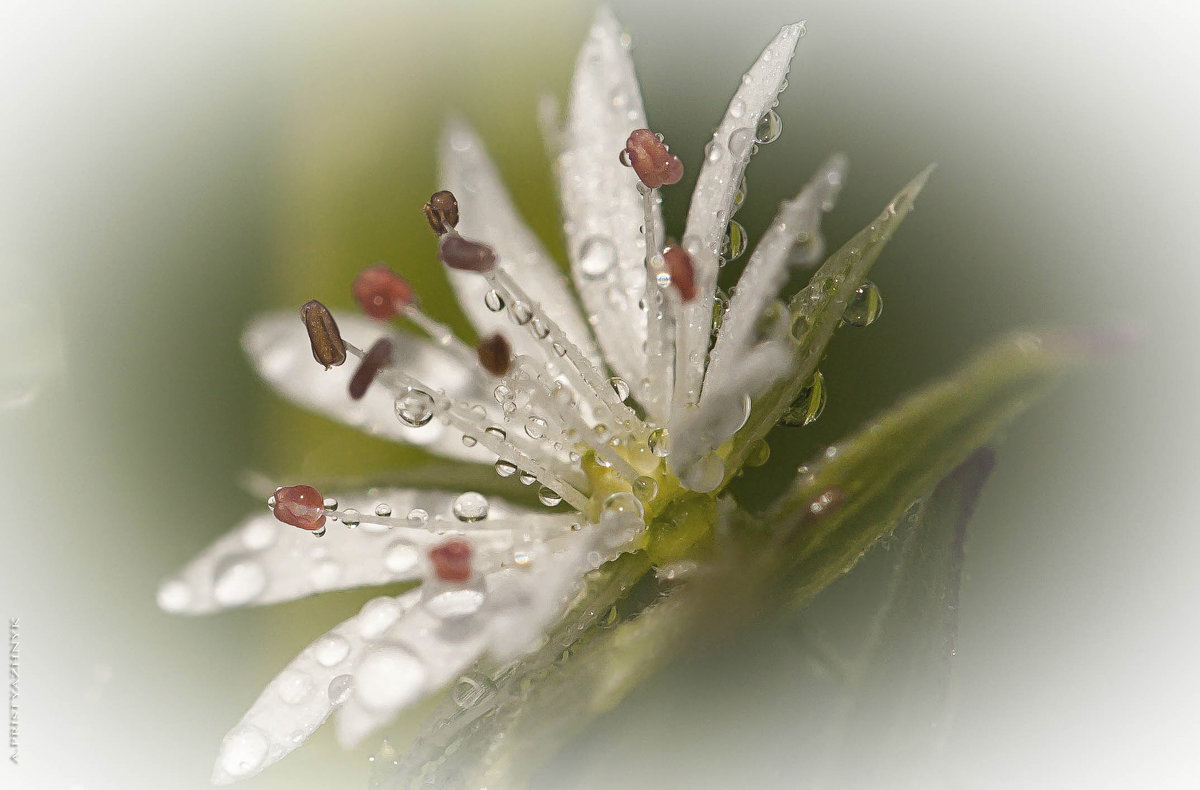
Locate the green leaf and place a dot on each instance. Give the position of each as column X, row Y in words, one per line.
column 818, row 309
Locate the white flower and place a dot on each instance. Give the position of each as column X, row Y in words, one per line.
column 617, row 412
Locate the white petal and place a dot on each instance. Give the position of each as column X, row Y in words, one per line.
column 278, row 345
column 488, row 215
column 298, row 700
column 712, row 201
column 601, row 205
column 264, row 561
column 767, row 271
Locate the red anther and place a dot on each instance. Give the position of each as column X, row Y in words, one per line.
column 375, row 360
column 650, row 159
column 441, row 212
column 452, row 560
column 300, row 506
column 381, row 292
column 495, row 354
column 465, row 255
column 323, row 334
column 682, row 271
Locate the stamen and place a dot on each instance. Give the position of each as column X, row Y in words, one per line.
column 650, row 158
column 465, row 255
column 495, row 354
column 682, row 271
column 452, row 560
column 382, row 293
column 441, row 212
column 300, row 506
column 375, row 360
column 323, row 334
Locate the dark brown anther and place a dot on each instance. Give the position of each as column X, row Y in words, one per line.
column 300, row 506
column 465, row 255
column 650, row 159
column 441, row 212
column 682, row 271
column 323, row 334
column 376, row 359
column 381, row 292
column 495, row 354
column 452, row 560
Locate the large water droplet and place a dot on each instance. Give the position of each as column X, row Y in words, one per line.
column 331, row 650
column 339, row 689
column 735, row 241
column 865, row 306
column 520, row 313
column 415, row 408
column 535, row 427
column 622, row 505
column 473, row 689
column 493, row 301
column 620, row 387
column 505, row 468
column 418, row 517
column 400, row 557
column 244, row 751
column 548, row 497
column 737, row 108
column 294, row 687
column 808, row 404
column 645, row 489
column 758, row 453
column 740, row 142
column 597, row 256
column 658, row 442
column 238, row 580
column 383, row 510
column 377, row 615
column 705, row 474
column 768, row 129
column 455, row 603
column 470, row 506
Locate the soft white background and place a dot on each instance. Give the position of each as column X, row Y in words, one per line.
column 1067, row 138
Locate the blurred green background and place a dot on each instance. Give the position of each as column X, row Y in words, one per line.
column 171, row 169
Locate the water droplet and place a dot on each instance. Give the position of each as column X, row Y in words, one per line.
column 808, row 404
column 418, row 517
column 493, row 301
column 548, row 497
column 377, row 615
column 758, row 453
column 339, row 689
column 739, row 197
column 331, row 650
column 272, row 502
column 238, row 580
column 527, row 479
column 740, row 142
column 470, row 506
column 389, row 677
column 657, row 441
column 597, row 256
column 383, row 510
column 455, row 603
column 620, row 387
column 244, row 751
column 497, row 431
column 520, row 313
column 769, row 128
column 535, row 427
column 799, row 327
column 469, row 441
column 415, row 408
column 645, row 489
column 330, row 503
column 472, row 690
column 294, row 687
column 735, row 242
column 737, row 108
column 705, row 474
column 865, row 306
column 622, row 505
column 350, row 517
column 712, row 151
column 505, row 468
column 624, row 159
column 400, row 557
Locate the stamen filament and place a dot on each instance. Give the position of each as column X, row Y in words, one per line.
column 660, row 323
